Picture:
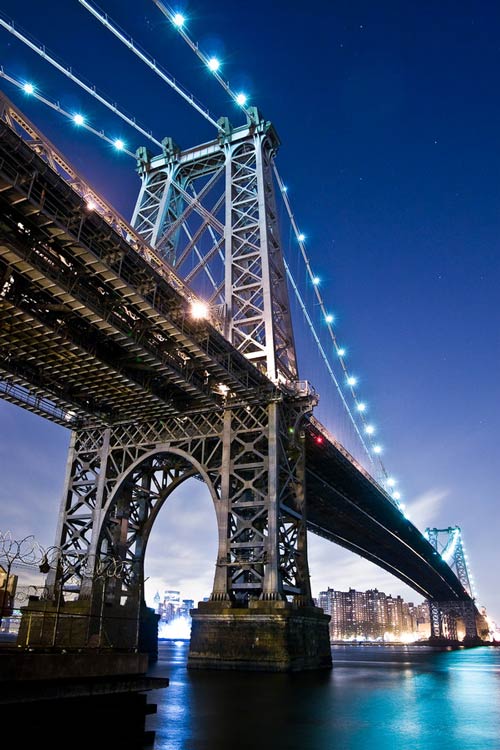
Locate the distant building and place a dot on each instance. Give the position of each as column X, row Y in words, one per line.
column 372, row 615
column 172, row 606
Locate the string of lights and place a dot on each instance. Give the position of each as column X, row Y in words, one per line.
column 149, row 61
column 179, row 21
column 325, row 357
column 212, row 63
column 67, row 71
column 328, row 318
column 77, row 118
column 373, row 449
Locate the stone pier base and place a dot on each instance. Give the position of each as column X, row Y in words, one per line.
column 266, row 636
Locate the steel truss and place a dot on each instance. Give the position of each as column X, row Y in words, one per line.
column 210, row 212
column 448, row 542
column 252, row 459
column 444, row 615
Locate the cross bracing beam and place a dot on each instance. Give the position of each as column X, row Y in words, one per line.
column 211, row 211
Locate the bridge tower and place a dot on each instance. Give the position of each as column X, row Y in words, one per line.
column 210, row 212
column 444, row 615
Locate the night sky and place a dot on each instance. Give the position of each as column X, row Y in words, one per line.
column 389, row 117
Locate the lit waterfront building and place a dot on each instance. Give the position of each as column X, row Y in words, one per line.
column 372, row 615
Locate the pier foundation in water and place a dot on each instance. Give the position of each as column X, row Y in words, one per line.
column 265, row 636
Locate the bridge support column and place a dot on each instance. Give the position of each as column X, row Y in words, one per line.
column 445, row 618
column 469, row 618
column 435, row 620
column 261, row 614
column 252, row 459
column 266, row 636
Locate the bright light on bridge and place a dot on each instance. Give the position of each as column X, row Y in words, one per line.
column 341, row 352
column 316, row 280
column 329, row 318
column 370, row 429
column 119, row 144
column 199, row 310
column 241, row 99
column 179, row 20
column 377, row 449
column 78, row 119
column 301, row 237
column 351, row 380
column 361, row 406
column 213, row 64
column 28, row 88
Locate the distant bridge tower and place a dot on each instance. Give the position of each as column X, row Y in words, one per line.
column 448, row 543
column 210, row 212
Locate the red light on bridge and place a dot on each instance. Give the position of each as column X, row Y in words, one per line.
column 319, row 439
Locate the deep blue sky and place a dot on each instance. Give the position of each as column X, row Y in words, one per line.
column 389, row 117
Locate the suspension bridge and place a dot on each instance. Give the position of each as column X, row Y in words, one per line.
column 167, row 346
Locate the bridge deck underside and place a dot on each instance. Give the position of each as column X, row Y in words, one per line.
column 84, row 319
column 346, row 507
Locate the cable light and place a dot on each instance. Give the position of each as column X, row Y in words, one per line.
column 213, row 64
column 76, row 118
column 178, row 20
column 239, row 98
column 66, row 70
column 150, row 62
column 300, row 237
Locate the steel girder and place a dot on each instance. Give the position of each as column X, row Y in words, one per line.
column 210, row 211
column 251, row 459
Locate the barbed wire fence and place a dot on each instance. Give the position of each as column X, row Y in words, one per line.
column 24, row 563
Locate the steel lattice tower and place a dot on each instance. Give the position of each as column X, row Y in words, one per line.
column 448, row 543
column 211, row 213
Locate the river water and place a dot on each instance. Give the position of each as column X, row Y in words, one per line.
column 374, row 698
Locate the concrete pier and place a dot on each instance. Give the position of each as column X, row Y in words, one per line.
column 266, row 636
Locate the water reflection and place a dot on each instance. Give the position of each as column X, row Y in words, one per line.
column 375, row 697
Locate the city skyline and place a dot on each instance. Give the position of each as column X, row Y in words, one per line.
column 429, row 256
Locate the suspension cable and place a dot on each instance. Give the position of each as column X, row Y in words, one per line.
column 68, row 72
column 78, row 120
column 150, row 62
